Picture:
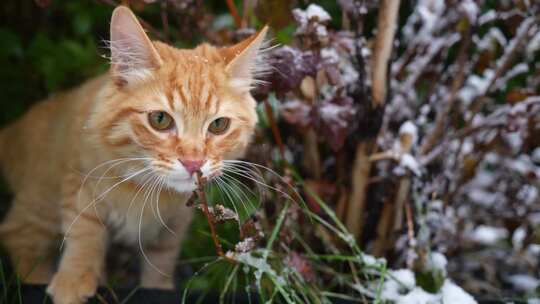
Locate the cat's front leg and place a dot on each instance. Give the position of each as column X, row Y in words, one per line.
column 161, row 257
column 82, row 262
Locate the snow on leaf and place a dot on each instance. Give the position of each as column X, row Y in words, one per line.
column 488, row 235
column 451, row 293
column 296, row 112
column 245, row 245
column 437, row 261
column 336, row 116
column 471, row 9
column 408, row 161
column 315, row 12
column 523, row 282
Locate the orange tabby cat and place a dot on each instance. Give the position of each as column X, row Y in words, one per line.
column 89, row 164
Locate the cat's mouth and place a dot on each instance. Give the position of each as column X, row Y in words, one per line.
column 182, row 184
column 189, row 184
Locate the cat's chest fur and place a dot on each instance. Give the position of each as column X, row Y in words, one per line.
column 132, row 229
column 141, row 219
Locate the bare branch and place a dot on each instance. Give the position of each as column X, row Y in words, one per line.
column 386, row 25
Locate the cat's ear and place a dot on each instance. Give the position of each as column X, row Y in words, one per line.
column 133, row 56
column 245, row 60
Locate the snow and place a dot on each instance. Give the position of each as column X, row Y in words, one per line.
column 536, row 155
column 408, row 161
column 483, row 197
column 451, row 293
column 401, row 289
column 429, row 11
column 488, row 235
column 487, row 17
column 467, row 147
column 334, row 113
column 437, row 261
column 260, row 264
column 493, row 35
column 399, row 279
column 533, row 249
column 518, row 237
column 417, row 296
column 534, row 45
column 476, row 86
column 245, row 246
column 471, row 9
column 314, row 11
column 533, row 301
column 330, row 55
column 523, row 282
column 516, row 70
column 372, row 261
column 409, row 128
column 527, row 194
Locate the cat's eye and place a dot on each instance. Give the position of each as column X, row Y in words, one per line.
column 160, row 120
column 219, row 126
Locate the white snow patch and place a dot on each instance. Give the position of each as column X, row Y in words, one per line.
column 451, row 293
column 471, row 9
column 487, row 17
column 372, row 261
column 314, row 11
column 409, row 128
column 534, row 45
column 536, row 155
column 476, row 86
column 516, row 70
column 330, row 55
column 523, row 282
column 245, row 246
column 483, row 197
column 533, row 249
column 334, row 113
column 488, row 235
column 260, row 264
column 518, row 237
column 408, row 161
column 429, row 11
column 401, row 289
column 400, row 282
column 528, row 194
column 437, row 261
column 484, row 179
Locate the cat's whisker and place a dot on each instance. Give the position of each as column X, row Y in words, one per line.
column 246, row 164
column 110, row 168
column 152, row 189
column 94, row 202
column 141, row 247
column 237, row 183
column 114, row 163
column 235, row 195
column 162, row 182
column 240, row 173
column 221, row 185
column 104, row 193
column 250, row 172
column 145, row 183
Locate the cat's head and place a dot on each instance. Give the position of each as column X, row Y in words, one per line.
column 181, row 110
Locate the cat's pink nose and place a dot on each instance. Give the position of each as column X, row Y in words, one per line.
column 192, row 165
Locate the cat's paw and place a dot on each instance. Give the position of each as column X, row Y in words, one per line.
column 72, row 287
